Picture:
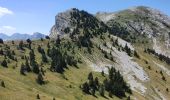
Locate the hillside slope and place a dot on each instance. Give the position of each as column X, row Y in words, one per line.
column 79, row 44
column 143, row 21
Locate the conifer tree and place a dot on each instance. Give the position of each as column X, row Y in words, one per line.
column 44, row 58
column 2, row 84
column 38, row 96
column 33, row 63
column 27, row 66
column 1, row 41
column 21, row 45
column 4, row 63
column 40, row 79
column 101, row 90
column 22, row 69
column 1, row 52
column 86, row 88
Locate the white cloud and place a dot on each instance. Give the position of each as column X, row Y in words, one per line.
column 5, row 11
column 9, row 30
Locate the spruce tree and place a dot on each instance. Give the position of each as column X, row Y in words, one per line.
column 1, row 52
column 86, row 88
column 2, row 84
column 102, row 73
column 96, row 81
column 90, row 76
column 29, row 41
column 40, row 79
column 1, row 41
column 22, row 69
column 39, row 49
column 21, row 45
column 35, row 67
column 38, row 96
column 47, row 37
column 27, row 66
column 136, row 54
column 33, row 63
column 44, row 58
column 4, row 63
column 101, row 90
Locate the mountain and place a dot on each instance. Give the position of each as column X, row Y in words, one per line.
column 91, row 57
column 19, row 36
column 70, row 21
column 3, row 36
column 142, row 20
column 140, row 28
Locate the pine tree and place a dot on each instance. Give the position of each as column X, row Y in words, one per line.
column 27, row 66
column 136, row 54
column 90, row 76
column 93, row 91
column 47, row 37
column 35, row 67
column 48, row 45
column 96, row 81
column 128, row 98
column 86, row 88
column 1, row 41
column 4, row 63
column 49, row 52
column 38, row 96
column 13, row 42
column 1, row 52
column 2, row 84
column 102, row 73
column 29, row 41
column 127, row 49
column 167, row 90
column 40, row 79
column 39, row 49
column 110, row 94
column 102, row 90
column 44, row 58
column 33, row 63
column 22, row 69
column 21, row 44
column 58, row 61
column 32, row 55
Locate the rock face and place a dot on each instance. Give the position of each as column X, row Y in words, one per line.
column 62, row 22
column 137, row 20
column 73, row 21
column 142, row 20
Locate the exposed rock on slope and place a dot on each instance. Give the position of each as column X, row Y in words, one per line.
column 142, row 20
column 138, row 25
column 62, row 21
column 71, row 21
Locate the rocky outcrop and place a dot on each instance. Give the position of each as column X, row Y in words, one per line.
column 142, row 20
column 62, row 22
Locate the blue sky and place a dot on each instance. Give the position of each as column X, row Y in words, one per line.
column 28, row 16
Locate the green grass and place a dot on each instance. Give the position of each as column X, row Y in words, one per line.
column 67, row 86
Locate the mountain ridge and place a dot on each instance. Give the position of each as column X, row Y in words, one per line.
column 19, row 36
column 118, row 56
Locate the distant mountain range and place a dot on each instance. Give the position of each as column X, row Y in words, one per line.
column 19, row 36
